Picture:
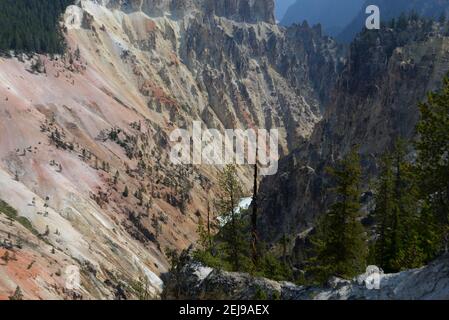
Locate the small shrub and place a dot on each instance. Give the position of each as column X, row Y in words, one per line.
column 18, row 295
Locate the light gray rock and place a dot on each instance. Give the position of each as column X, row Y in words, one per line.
column 192, row 282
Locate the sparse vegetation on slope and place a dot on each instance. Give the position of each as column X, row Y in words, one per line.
column 11, row 213
column 231, row 248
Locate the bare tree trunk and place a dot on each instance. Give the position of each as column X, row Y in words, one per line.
column 209, row 237
column 254, row 244
column 235, row 253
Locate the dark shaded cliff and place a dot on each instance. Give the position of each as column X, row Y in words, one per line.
column 374, row 102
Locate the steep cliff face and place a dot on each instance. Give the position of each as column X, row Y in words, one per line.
column 84, row 138
column 271, row 77
column 246, row 74
column 374, row 102
column 237, row 10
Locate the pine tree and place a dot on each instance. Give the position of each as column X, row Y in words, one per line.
column 398, row 244
column 17, row 294
column 139, row 196
column 126, row 192
column 383, row 211
column 116, row 177
column 204, row 236
column 32, row 25
column 233, row 234
column 254, row 236
column 340, row 245
column 432, row 167
column 142, row 288
column 47, row 231
column 6, row 257
column 209, row 225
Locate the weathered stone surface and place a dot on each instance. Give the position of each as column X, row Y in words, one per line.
column 98, row 121
column 237, row 10
column 428, row 283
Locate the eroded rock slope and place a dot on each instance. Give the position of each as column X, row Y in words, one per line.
column 84, row 138
column 193, row 281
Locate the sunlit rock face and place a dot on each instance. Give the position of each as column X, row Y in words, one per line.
column 96, row 122
column 238, row 10
column 193, row 281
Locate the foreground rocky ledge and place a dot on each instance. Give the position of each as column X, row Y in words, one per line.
column 194, row 281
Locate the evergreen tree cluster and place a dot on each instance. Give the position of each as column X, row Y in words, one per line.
column 340, row 241
column 411, row 204
column 232, row 247
column 399, row 242
column 31, row 26
column 411, row 213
